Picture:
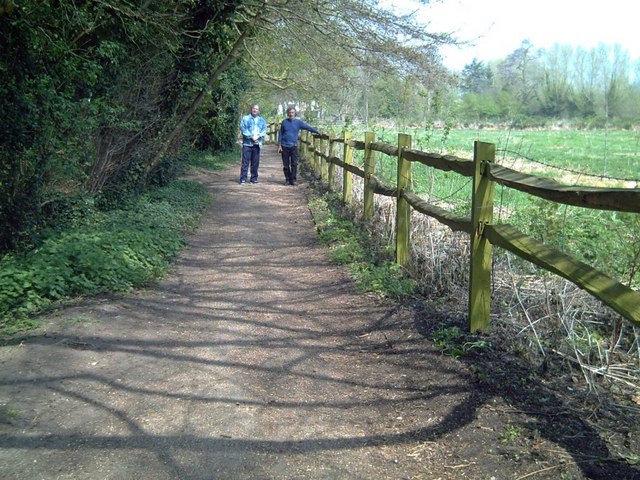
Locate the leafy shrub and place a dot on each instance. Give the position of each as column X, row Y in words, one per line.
column 387, row 279
column 112, row 251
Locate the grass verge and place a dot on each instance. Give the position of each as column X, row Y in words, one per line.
column 371, row 265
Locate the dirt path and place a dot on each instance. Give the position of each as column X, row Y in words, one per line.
column 254, row 359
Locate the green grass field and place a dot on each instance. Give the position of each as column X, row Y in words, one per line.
column 595, row 152
column 607, row 240
column 609, row 153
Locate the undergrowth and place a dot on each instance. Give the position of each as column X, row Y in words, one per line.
column 109, row 251
column 370, row 264
column 205, row 160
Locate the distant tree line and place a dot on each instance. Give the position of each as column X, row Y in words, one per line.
column 590, row 88
column 595, row 87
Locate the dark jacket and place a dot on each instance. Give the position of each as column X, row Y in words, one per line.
column 289, row 130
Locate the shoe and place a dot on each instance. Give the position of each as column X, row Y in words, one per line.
column 286, row 182
column 243, row 182
column 293, row 183
column 254, row 181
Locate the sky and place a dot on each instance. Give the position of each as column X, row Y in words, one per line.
column 498, row 27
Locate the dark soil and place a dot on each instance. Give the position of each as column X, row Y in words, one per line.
column 256, row 358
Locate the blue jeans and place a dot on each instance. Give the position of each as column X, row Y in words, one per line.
column 250, row 157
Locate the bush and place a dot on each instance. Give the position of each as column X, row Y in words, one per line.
column 105, row 252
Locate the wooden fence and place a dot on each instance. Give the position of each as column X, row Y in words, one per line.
column 321, row 149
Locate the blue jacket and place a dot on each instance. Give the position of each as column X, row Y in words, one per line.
column 289, row 130
column 251, row 126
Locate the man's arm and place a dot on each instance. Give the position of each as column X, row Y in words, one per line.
column 245, row 128
column 306, row 126
column 280, row 132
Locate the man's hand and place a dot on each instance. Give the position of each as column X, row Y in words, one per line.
column 279, row 148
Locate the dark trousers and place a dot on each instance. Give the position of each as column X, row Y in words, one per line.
column 290, row 163
column 250, row 157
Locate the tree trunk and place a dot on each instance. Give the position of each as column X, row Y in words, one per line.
column 213, row 80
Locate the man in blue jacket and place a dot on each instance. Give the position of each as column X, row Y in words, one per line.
column 254, row 129
column 288, row 144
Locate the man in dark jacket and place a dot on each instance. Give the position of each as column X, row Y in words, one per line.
column 288, row 144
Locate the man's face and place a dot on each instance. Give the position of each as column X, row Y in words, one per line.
column 255, row 110
column 291, row 113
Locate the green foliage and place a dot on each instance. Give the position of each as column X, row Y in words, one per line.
column 344, row 240
column 447, row 339
column 386, row 279
column 453, row 341
column 352, row 245
column 90, row 89
column 44, row 97
column 8, row 414
column 479, row 107
column 112, row 251
column 511, row 433
column 206, row 160
column 216, row 128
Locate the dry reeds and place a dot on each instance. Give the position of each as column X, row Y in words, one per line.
column 535, row 310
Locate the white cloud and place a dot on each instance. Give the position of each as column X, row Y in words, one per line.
column 498, row 27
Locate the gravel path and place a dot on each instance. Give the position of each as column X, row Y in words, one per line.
column 254, row 359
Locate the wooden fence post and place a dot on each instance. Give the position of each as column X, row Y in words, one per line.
column 346, row 174
column 316, row 153
column 403, row 209
column 324, row 172
column 481, row 215
column 369, row 169
column 331, row 166
column 304, row 148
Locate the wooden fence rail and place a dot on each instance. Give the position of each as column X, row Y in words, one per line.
column 320, row 150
